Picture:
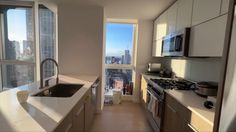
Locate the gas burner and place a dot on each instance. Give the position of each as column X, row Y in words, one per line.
column 173, row 84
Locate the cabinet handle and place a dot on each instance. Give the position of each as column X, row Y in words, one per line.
column 171, row 108
column 191, row 127
column 69, row 127
column 80, row 110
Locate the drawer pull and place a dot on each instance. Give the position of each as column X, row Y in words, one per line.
column 191, row 127
column 69, row 127
column 80, row 110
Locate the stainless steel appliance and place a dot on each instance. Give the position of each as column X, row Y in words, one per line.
column 154, row 67
column 94, row 94
column 154, row 107
column 155, row 98
column 176, row 44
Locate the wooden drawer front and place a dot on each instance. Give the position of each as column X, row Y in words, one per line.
column 199, row 124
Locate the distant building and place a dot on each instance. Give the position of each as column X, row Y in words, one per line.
column 47, row 41
column 127, row 57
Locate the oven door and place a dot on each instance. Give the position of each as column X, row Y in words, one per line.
column 154, row 106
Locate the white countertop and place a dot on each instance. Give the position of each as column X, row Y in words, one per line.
column 39, row 113
column 192, row 101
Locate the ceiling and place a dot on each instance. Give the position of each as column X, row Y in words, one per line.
column 126, row 9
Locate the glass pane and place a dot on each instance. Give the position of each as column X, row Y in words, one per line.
column 119, row 43
column 119, row 79
column 18, row 34
column 17, row 75
column 47, row 39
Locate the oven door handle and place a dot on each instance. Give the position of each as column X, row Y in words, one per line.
column 157, row 98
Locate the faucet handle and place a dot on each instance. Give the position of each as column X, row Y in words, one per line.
column 47, row 82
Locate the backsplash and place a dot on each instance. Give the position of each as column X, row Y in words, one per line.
column 195, row 69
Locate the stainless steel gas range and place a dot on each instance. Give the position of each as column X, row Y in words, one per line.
column 156, row 96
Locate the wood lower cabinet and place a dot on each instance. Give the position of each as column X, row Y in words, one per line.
column 143, row 90
column 186, row 127
column 81, row 116
column 89, row 111
column 178, row 118
column 78, row 117
column 172, row 119
column 66, row 125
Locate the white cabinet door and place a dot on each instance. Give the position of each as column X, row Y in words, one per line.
column 204, row 10
column 207, row 39
column 155, row 29
column 162, row 26
column 171, row 18
column 224, row 6
column 157, row 48
column 184, row 15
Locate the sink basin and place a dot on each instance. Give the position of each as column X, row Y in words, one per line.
column 60, row 90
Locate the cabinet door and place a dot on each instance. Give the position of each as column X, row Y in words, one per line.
column 155, row 29
column 172, row 122
column 157, row 48
column 89, row 111
column 143, row 90
column 224, row 6
column 171, row 18
column 78, row 118
column 162, row 26
column 207, row 39
column 204, row 10
column 184, row 14
column 66, row 125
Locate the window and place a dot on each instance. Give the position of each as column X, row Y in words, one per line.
column 17, row 49
column 119, row 57
column 47, row 39
column 18, row 62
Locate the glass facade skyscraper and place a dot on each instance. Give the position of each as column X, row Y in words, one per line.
column 47, row 39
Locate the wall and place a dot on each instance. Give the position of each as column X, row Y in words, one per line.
column 80, row 40
column 144, row 53
column 195, row 69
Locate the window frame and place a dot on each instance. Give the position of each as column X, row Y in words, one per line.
column 34, row 5
column 134, row 45
column 16, row 62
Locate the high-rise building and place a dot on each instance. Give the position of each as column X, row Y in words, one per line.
column 127, row 57
column 47, row 41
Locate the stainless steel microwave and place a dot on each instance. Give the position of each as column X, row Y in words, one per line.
column 176, row 44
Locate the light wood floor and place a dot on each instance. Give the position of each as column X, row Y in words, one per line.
column 125, row 117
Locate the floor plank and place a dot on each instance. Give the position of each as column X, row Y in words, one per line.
column 125, row 117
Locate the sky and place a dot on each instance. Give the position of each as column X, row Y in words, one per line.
column 16, row 24
column 119, row 37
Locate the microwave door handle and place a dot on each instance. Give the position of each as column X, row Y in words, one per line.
column 178, row 43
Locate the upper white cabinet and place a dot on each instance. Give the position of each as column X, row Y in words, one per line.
column 162, row 26
column 171, row 18
column 204, row 10
column 207, row 39
column 224, row 6
column 155, row 29
column 157, row 48
column 184, row 14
